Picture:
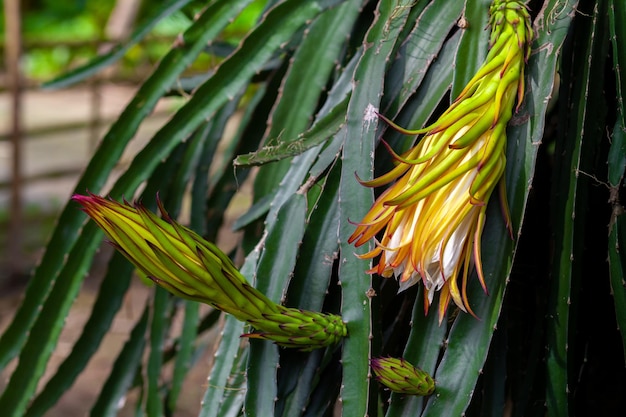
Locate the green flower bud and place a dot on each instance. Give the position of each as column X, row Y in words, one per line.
column 400, row 376
column 185, row 264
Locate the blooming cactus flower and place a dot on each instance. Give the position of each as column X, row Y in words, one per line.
column 433, row 212
column 400, row 376
column 188, row 266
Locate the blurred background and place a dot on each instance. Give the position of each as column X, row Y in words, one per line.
column 47, row 137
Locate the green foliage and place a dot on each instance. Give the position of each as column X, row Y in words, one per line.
column 547, row 339
column 62, row 35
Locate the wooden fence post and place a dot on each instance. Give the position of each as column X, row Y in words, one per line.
column 13, row 52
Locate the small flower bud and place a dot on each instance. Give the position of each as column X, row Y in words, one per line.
column 400, row 376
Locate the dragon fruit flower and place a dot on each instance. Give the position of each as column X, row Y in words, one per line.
column 433, row 212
